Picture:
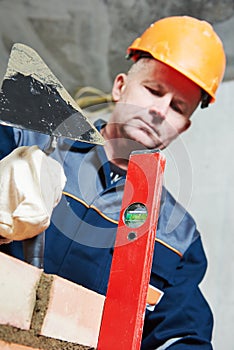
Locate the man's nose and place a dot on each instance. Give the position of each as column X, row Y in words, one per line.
column 159, row 110
column 158, row 117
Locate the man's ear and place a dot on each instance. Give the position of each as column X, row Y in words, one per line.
column 118, row 86
column 187, row 125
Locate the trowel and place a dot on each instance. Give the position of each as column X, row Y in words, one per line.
column 32, row 98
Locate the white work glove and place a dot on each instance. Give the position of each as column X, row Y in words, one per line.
column 31, row 185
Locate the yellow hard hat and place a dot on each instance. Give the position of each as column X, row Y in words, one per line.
column 188, row 45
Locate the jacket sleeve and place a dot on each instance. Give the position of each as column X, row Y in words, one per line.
column 7, row 140
column 182, row 319
column 10, row 138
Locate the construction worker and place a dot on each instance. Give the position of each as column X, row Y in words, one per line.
column 179, row 63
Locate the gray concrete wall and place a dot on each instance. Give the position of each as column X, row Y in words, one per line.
column 84, row 41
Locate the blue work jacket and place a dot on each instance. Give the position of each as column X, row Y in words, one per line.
column 79, row 243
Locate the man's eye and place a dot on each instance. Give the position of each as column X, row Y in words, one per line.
column 176, row 108
column 153, row 91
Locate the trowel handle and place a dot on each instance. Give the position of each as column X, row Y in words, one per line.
column 34, row 247
column 34, row 250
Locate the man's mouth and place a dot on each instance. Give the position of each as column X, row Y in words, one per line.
column 149, row 128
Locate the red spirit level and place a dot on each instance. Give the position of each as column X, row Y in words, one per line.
column 125, row 304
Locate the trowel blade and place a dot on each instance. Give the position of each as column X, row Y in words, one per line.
column 32, row 98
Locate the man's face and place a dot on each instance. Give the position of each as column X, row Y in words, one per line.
column 153, row 104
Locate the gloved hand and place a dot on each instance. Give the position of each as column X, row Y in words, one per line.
column 31, row 185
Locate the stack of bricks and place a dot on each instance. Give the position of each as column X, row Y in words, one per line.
column 42, row 311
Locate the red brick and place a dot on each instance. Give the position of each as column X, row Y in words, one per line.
column 74, row 313
column 18, row 283
column 11, row 346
